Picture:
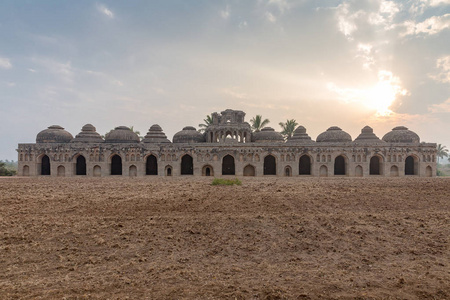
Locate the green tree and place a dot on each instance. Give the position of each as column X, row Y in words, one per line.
column 5, row 170
column 258, row 123
column 137, row 132
column 442, row 151
column 208, row 121
column 288, row 128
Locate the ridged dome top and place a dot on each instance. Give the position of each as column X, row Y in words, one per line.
column 367, row 136
column 88, row 134
column 155, row 135
column 334, row 134
column 300, row 136
column 188, row 135
column 401, row 134
column 54, row 134
column 267, row 134
column 122, row 134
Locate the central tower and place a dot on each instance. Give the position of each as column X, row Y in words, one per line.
column 228, row 127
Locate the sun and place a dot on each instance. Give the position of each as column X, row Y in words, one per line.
column 384, row 93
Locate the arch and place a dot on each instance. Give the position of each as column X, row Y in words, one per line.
column 80, row 167
column 359, row 171
column 116, row 165
column 207, row 170
column 411, row 165
column 187, row 165
column 323, row 171
column 45, row 165
column 168, row 170
column 394, row 171
column 374, row 165
column 61, row 171
column 304, row 165
column 151, row 166
column 228, row 165
column 288, row 171
column 132, row 171
column 429, row 171
column 270, row 165
column 26, row 171
column 249, row 170
column 340, row 165
column 97, row 171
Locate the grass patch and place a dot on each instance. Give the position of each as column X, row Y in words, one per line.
column 220, row 181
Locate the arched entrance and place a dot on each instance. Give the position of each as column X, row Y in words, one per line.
column 323, row 171
column 116, row 165
column 374, row 165
column 187, row 165
column 228, row 165
column 429, row 172
column 168, row 170
column 151, row 167
column 61, row 171
column 339, row 165
column 359, row 171
column 26, row 171
column 133, row 171
column 249, row 170
column 304, row 166
column 410, row 166
column 394, row 171
column 270, row 165
column 45, row 165
column 97, row 171
column 288, row 171
column 207, row 171
column 81, row 165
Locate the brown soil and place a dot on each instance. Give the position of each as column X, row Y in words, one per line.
column 271, row 238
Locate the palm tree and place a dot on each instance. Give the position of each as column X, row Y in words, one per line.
column 442, row 151
column 258, row 123
column 288, row 128
column 208, row 121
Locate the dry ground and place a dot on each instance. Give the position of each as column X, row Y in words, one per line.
column 271, row 238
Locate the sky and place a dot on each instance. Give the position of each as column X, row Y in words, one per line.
column 172, row 62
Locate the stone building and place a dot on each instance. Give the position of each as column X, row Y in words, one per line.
column 227, row 147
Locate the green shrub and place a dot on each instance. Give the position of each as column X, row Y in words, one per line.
column 220, row 181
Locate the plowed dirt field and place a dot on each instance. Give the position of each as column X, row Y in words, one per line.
column 182, row 238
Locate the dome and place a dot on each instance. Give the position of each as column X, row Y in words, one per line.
column 401, row 134
column 188, row 135
column 267, row 134
column 300, row 136
column 88, row 134
column 334, row 135
column 122, row 134
column 155, row 135
column 54, row 134
column 367, row 136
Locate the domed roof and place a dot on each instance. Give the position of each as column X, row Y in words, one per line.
column 54, row 134
column 401, row 134
column 367, row 136
column 122, row 134
column 300, row 136
column 88, row 134
column 188, row 135
column 334, row 135
column 267, row 134
column 155, row 135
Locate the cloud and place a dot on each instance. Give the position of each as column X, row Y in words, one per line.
column 271, row 18
column 5, row 63
column 62, row 70
column 104, row 10
column 430, row 26
column 364, row 52
column 225, row 14
column 242, row 25
column 32, row 70
column 443, row 107
column 443, row 64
